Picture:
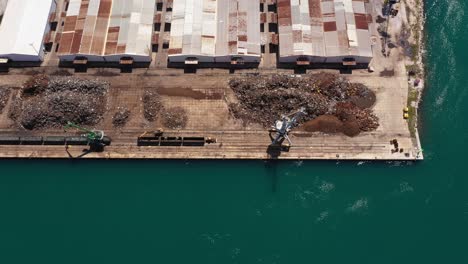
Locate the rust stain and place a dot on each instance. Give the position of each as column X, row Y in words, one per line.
column 329, row 26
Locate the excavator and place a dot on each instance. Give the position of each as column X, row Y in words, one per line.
column 284, row 125
column 96, row 138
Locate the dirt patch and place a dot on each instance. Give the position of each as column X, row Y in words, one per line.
column 387, row 73
column 121, row 117
column 263, row 99
column 175, row 118
column 4, row 96
column 36, row 85
column 325, row 123
column 190, row 93
column 330, row 124
column 106, row 73
column 47, row 102
column 152, row 105
column 61, row 72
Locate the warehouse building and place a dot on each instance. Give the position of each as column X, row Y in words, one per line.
column 215, row 31
column 23, row 30
column 324, row 31
column 109, row 31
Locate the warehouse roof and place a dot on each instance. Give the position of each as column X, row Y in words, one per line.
column 23, row 26
column 215, row 28
column 324, row 28
column 108, row 27
column 2, row 6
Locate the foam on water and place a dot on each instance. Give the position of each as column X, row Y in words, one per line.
column 359, row 205
column 451, row 14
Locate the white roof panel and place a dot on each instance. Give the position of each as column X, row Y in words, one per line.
column 23, row 26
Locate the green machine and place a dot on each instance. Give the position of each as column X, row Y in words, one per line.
column 96, row 138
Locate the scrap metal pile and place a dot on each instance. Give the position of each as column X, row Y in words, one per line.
column 4, row 96
column 173, row 117
column 263, row 99
column 152, row 105
column 121, row 117
column 47, row 102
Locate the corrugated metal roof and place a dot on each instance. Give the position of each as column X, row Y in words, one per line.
column 323, row 28
column 3, row 4
column 23, row 27
column 215, row 27
column 108, row 27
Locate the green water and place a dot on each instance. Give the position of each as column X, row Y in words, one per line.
column 254, row 212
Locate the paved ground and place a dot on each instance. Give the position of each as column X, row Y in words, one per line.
column 205, row 94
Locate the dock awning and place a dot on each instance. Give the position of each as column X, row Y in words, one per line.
column 349, row 62
column 80, row 61
column 191, row 61
column 237, row 61
column 126, row 61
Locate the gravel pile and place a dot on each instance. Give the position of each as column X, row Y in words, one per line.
column 263, row 99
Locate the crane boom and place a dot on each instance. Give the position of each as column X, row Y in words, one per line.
column 92, row 135
column 283, row 126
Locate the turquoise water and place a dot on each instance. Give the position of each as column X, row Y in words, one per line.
column 255, row 212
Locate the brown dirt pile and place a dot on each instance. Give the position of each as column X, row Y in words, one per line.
column 51, row 102
column 263, row 99
column 324, row 123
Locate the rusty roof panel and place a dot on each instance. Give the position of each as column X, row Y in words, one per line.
column 329, row 26
column 323, row 28
column 108, row 27
column 215, row 28
column 70, row 23
column 66, row 41
column 361, row 21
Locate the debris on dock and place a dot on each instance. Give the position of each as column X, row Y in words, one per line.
column 47, row 102
column 4, row 96
column 121, row 117
column 175, row 118
column 263, row 99
column 152, row 105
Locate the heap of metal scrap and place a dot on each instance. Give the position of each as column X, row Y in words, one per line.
column 4, row 96
column 175, row 118
column 52, row 102
column 152, row 105
column 263, row 99
column 121, row 117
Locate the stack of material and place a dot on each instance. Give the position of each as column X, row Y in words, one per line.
column 4, row 96
column 152, row 105
column 121, row 117
column 47, row 103
column 263, row 99
column 175, row 118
